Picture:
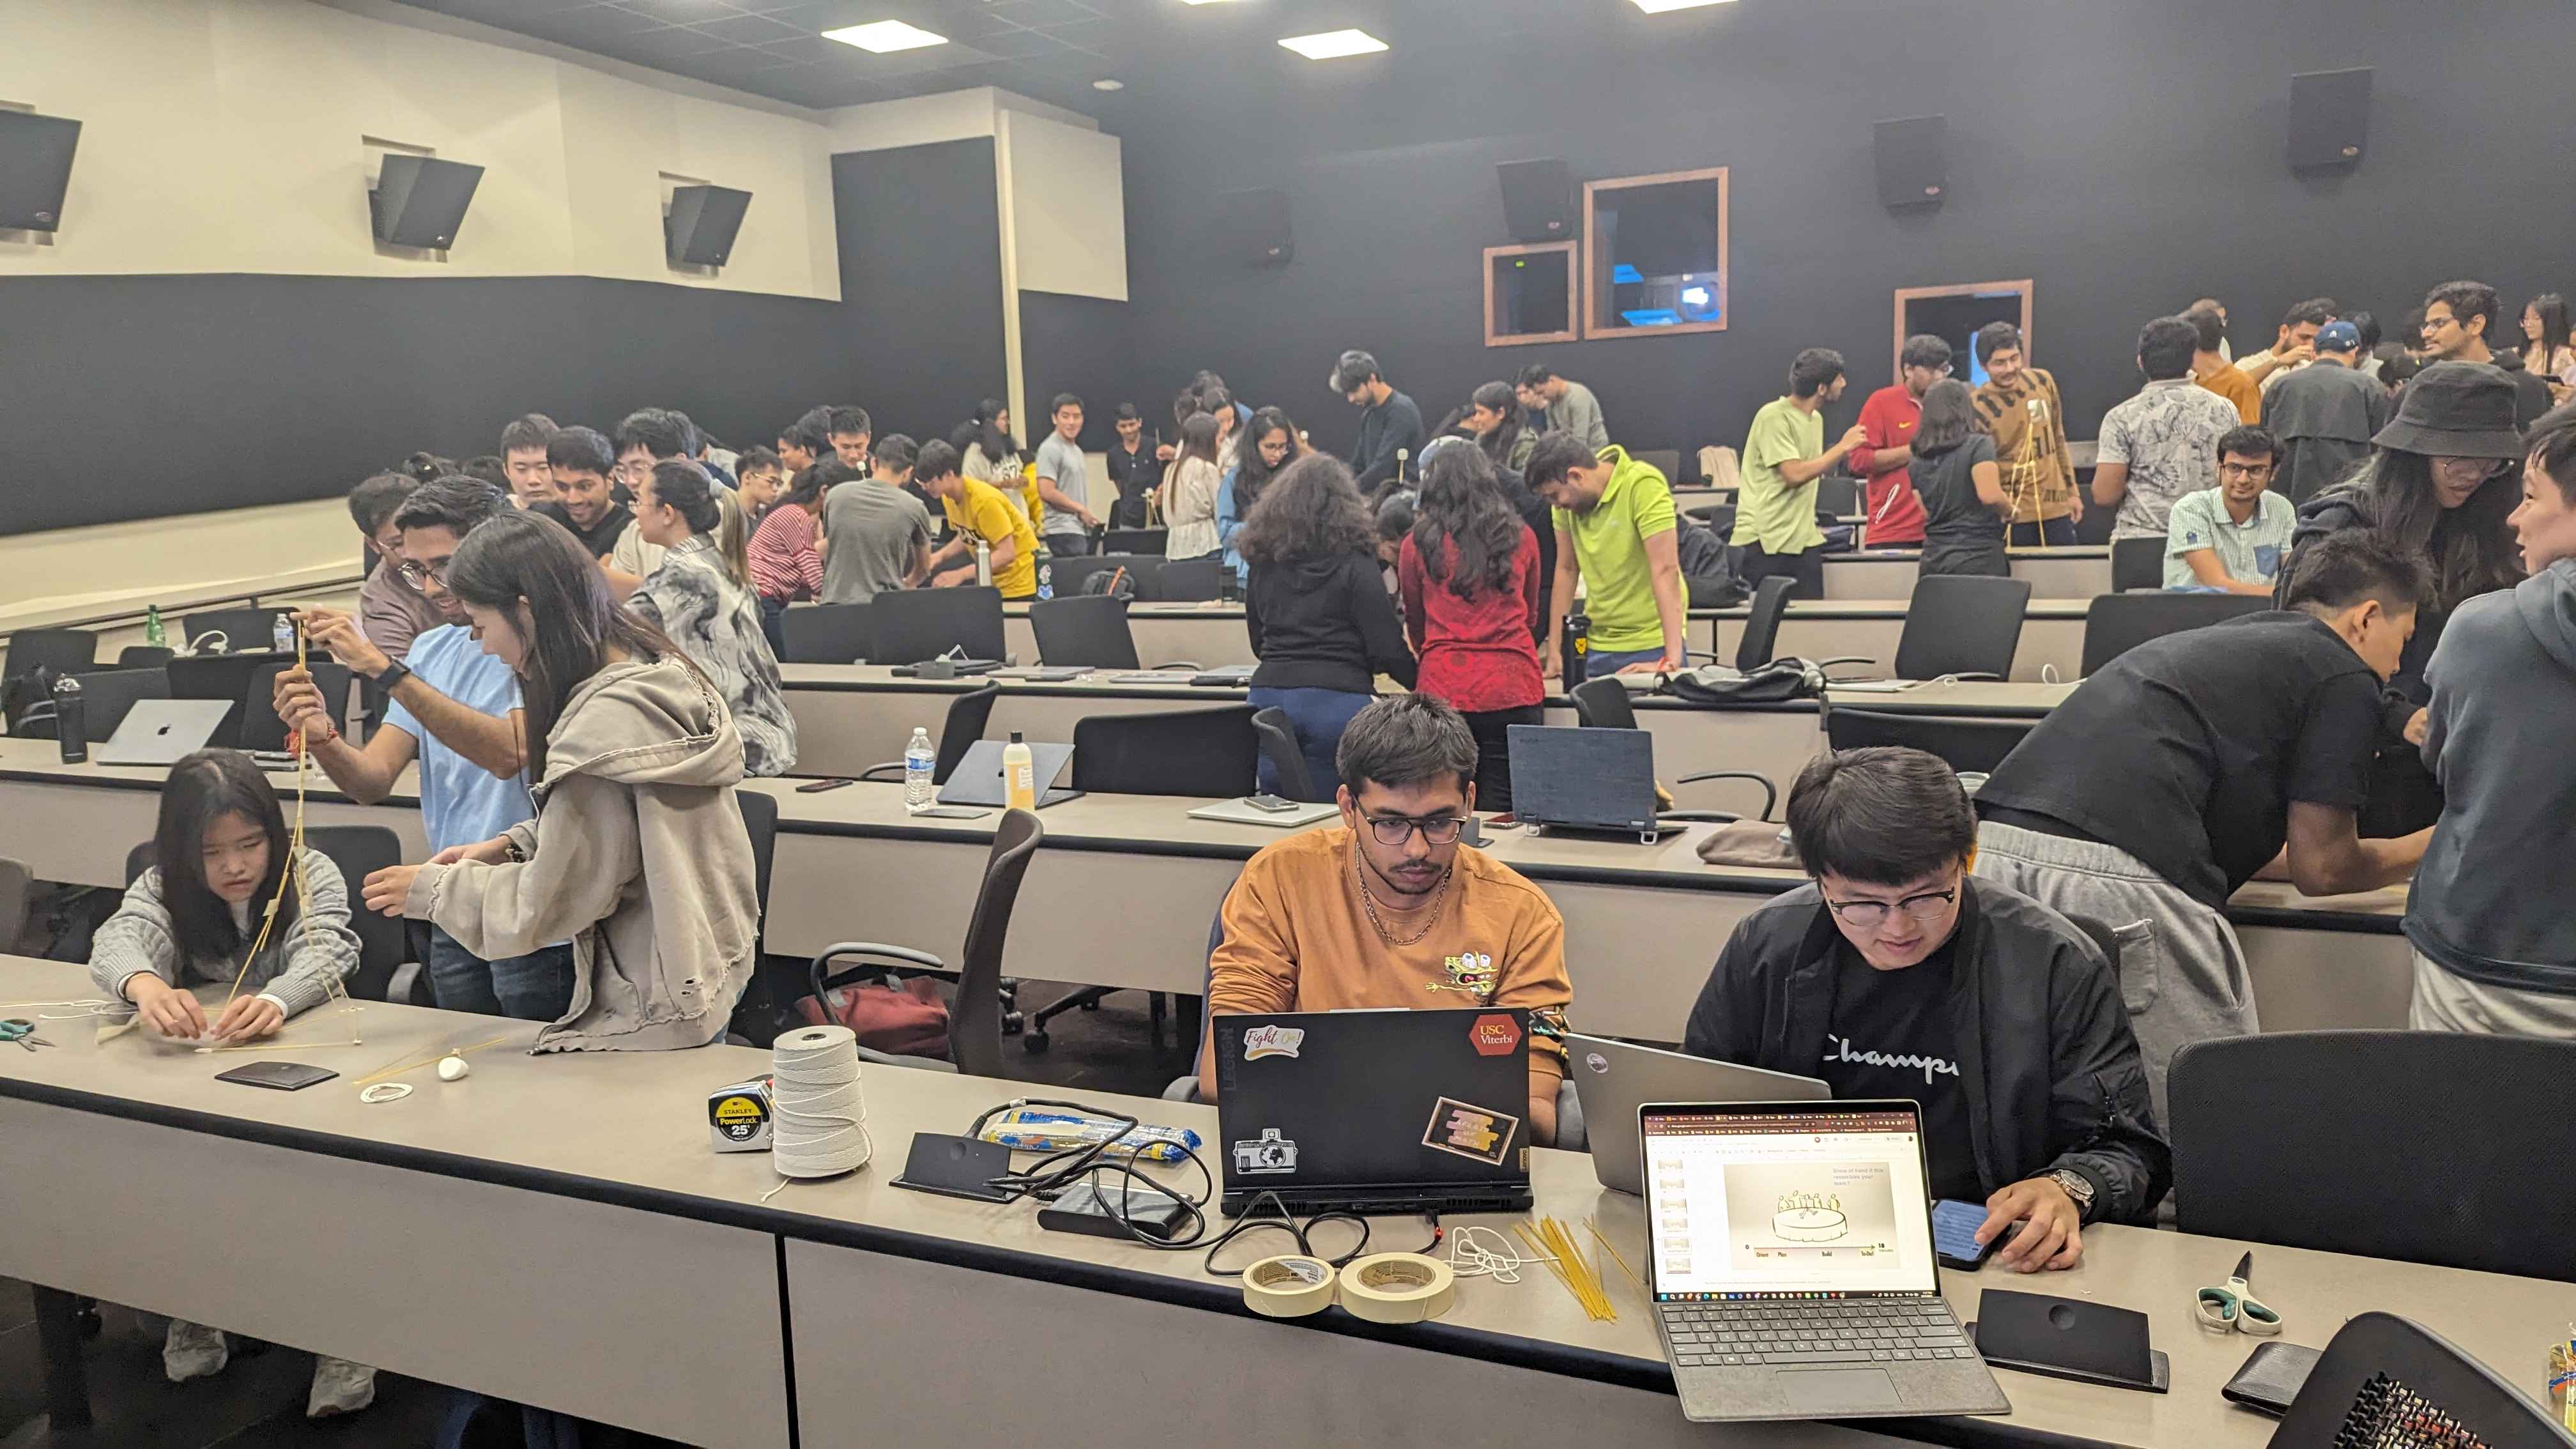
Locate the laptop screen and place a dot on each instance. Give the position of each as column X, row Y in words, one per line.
column 1780, row 1201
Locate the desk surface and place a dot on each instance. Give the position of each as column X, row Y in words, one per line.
column 1891, row 609
column 628, row 1129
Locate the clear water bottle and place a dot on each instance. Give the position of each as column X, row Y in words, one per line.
column 918, row 763
column 71, row 720
column 282, row 637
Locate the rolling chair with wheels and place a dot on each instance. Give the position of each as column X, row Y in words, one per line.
column 2137, row 563
column 1969, row 746
column 64, row 651
column 1190, row 581
column 218, row 676
column 1962, row 627
column 1196, row 753
column 261, row 729
column 974, row 1020
column 2114, row 624
column 358, row 851
column 968, row 713
column 1278, row 740
column 760, row 1002
column 15, row 881
column 109, row 695
column 1072, row 574
column 918, row 624
column 1761, row 637
column 2386, row 1381
column 245, row 631
column 1604, row 704
column 826, row 634
column 145, row 656
column 1083, row 632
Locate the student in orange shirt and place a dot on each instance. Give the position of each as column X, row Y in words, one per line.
column 2216, row 373
column 1389, row 910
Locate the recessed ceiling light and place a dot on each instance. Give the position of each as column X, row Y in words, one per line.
column 1658, row 7
column 1334, row 44
column 882, row 36
column 1206, row 2
column 1119, row 85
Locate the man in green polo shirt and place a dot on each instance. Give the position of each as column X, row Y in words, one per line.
column 1775, row 509
column 1614, row 533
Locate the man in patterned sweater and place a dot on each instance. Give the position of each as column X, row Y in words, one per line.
column 2020, row 406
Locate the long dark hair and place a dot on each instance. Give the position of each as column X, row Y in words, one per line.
column 202, row 789
column 1499, row 397
column 1311, row 510
column 1252, row 473
column 2471, row 548
column 572, row 621
column 2553, row 330
column 1462, row 506
column 1198, row 438
column 984, row 430
column 1949, row 418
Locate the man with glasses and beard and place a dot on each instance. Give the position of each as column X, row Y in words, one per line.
column 1389, row 909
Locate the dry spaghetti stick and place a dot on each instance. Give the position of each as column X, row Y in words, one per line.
column 264, row 1046
column 375, row 1077
column 1595, row 1225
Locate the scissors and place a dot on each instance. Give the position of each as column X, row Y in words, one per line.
column 2234, row 1306
column 23, row 1032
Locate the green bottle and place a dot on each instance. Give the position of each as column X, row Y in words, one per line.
column 152, row 632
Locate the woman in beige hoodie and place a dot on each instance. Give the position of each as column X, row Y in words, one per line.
column 638, row 853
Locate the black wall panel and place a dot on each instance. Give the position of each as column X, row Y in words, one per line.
column 921, row 281
column 1085, row 346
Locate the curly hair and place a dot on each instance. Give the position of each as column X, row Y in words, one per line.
column 1311, row 510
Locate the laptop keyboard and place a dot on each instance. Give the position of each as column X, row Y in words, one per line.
column 1759, row 1334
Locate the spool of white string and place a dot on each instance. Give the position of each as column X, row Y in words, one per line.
column 821, row 1122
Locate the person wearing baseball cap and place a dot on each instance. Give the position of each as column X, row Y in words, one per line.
column 2442, row 480
column 2325, row 422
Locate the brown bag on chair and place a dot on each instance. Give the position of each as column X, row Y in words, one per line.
column 1750, row 842
column 899, row 1018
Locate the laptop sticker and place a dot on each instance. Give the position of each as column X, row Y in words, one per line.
column 1494, row 1036
column 1270, row 1153
column 1466, row 1130
column 1272, row 1041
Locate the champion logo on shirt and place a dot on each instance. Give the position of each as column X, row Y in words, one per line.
column 1839, row 1049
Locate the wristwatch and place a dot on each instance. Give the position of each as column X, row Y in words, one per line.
column 391, row 675
column 2078, row 1187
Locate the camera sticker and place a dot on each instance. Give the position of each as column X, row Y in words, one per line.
column 1466, row 1130
column 1270, row 1153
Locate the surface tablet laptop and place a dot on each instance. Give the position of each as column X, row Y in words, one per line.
column 1612, row 1079
column 164, row 731
column 1375, row 1111
column 1584, row 779
column 1789, row 1257
column 977, row 780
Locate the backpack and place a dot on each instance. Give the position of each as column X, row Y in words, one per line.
column 900, row 1018
column 1119, row 581
column 1777, row 681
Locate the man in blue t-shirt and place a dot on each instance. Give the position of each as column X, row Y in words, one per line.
column 455, row 709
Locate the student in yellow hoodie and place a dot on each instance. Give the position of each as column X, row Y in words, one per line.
column 1615, row 535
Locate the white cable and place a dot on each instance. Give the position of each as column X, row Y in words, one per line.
column 821, row 1126
column 1469, row 1258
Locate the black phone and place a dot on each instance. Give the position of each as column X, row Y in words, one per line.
column 277, row 1076
column 1271, row 803
column 950, row 812
column 1954, row 1235
column 817, row 787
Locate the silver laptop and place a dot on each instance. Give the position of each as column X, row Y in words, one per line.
column 1789, row 1256
column 163, row 731
column 1612, row 1079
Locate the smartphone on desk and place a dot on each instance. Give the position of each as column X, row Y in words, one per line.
column 949, row 812
column 1954, row 1235
column 1271, row 804
column 817, row 787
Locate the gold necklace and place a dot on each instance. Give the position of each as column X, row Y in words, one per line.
column 1368, row 902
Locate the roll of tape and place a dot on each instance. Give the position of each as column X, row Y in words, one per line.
column 1288, row 1286
column 1397, row 1287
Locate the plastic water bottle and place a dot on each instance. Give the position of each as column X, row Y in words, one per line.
column 918, row 762
column 153, row 633
column 282, row 636
column 71, row 720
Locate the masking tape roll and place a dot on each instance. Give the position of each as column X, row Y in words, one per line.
column 1398, row 1287
column 1289, row 1286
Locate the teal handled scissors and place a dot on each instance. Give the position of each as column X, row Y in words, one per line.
column 2234, row 1306
column 23, row 1032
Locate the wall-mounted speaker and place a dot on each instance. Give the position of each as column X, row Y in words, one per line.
column 2329, row 118
column 1538, row 199
column 35, row 169
column 1913, row 161
column 1252, row 227
column 700, row 229
column 419, row 201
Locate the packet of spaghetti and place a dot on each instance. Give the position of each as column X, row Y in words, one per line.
column 1047, row 1129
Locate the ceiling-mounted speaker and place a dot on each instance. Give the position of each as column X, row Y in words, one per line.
column 419, row 201
column 699, row 231
column 1538, row 199
column 35, row 169
column 2329, row 118
column 1252, row 227
column 1913, row 161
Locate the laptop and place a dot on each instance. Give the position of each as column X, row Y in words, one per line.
column 977, row 780
column 164, row 731
column 1789, row 1257
column 1612, row 1079
column 1584, row 779
column 1375, row 1111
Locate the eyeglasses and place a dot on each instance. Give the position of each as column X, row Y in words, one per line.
column 2244, row 470
column 421, row 578
column 1437, row 830
column 1870, row 915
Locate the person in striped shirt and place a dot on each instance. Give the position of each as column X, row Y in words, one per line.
column 786, row 568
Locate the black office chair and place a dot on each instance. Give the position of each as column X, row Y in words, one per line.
column 108, row 696
column 919, row 624
column 2137, row 563
column 218, row 676
column 1136, row 542
column 2114, row 624
column 826, row 634
column 1278, row 739
column 358, row 851
column 1761, row 637
column 144, row 656
column 2386, row 1381
column 1603, row 704
column 15, row 883
column 1190, row 581
column 968, row 714
column 1969, row 746
column 1961, row 626
column 64, row 651
column 975, row 1012
column 1083, row 632
column 1838, row 496
column 245, row 631
column 1195, row 753
column 261, row 729
column 1072, row 574
column 2399, row 1130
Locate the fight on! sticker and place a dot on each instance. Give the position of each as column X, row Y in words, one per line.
column 1494, row 1035
column 1272, row 1041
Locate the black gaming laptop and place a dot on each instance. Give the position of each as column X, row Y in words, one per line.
column 1375, row 1111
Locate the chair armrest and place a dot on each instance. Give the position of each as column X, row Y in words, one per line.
column 823, row 978
column 1844, row 659
column 878, row 772
column 1770, row 792
column 889, row 1059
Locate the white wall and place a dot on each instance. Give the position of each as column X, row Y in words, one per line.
column 225, row 136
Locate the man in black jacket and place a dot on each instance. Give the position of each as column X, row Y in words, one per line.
column 1899, row 974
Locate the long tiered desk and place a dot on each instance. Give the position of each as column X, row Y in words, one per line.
column 2052, row 573
column 556, row 1230
column 2052, row 634
column 1123, row 891
column 1210, row 635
